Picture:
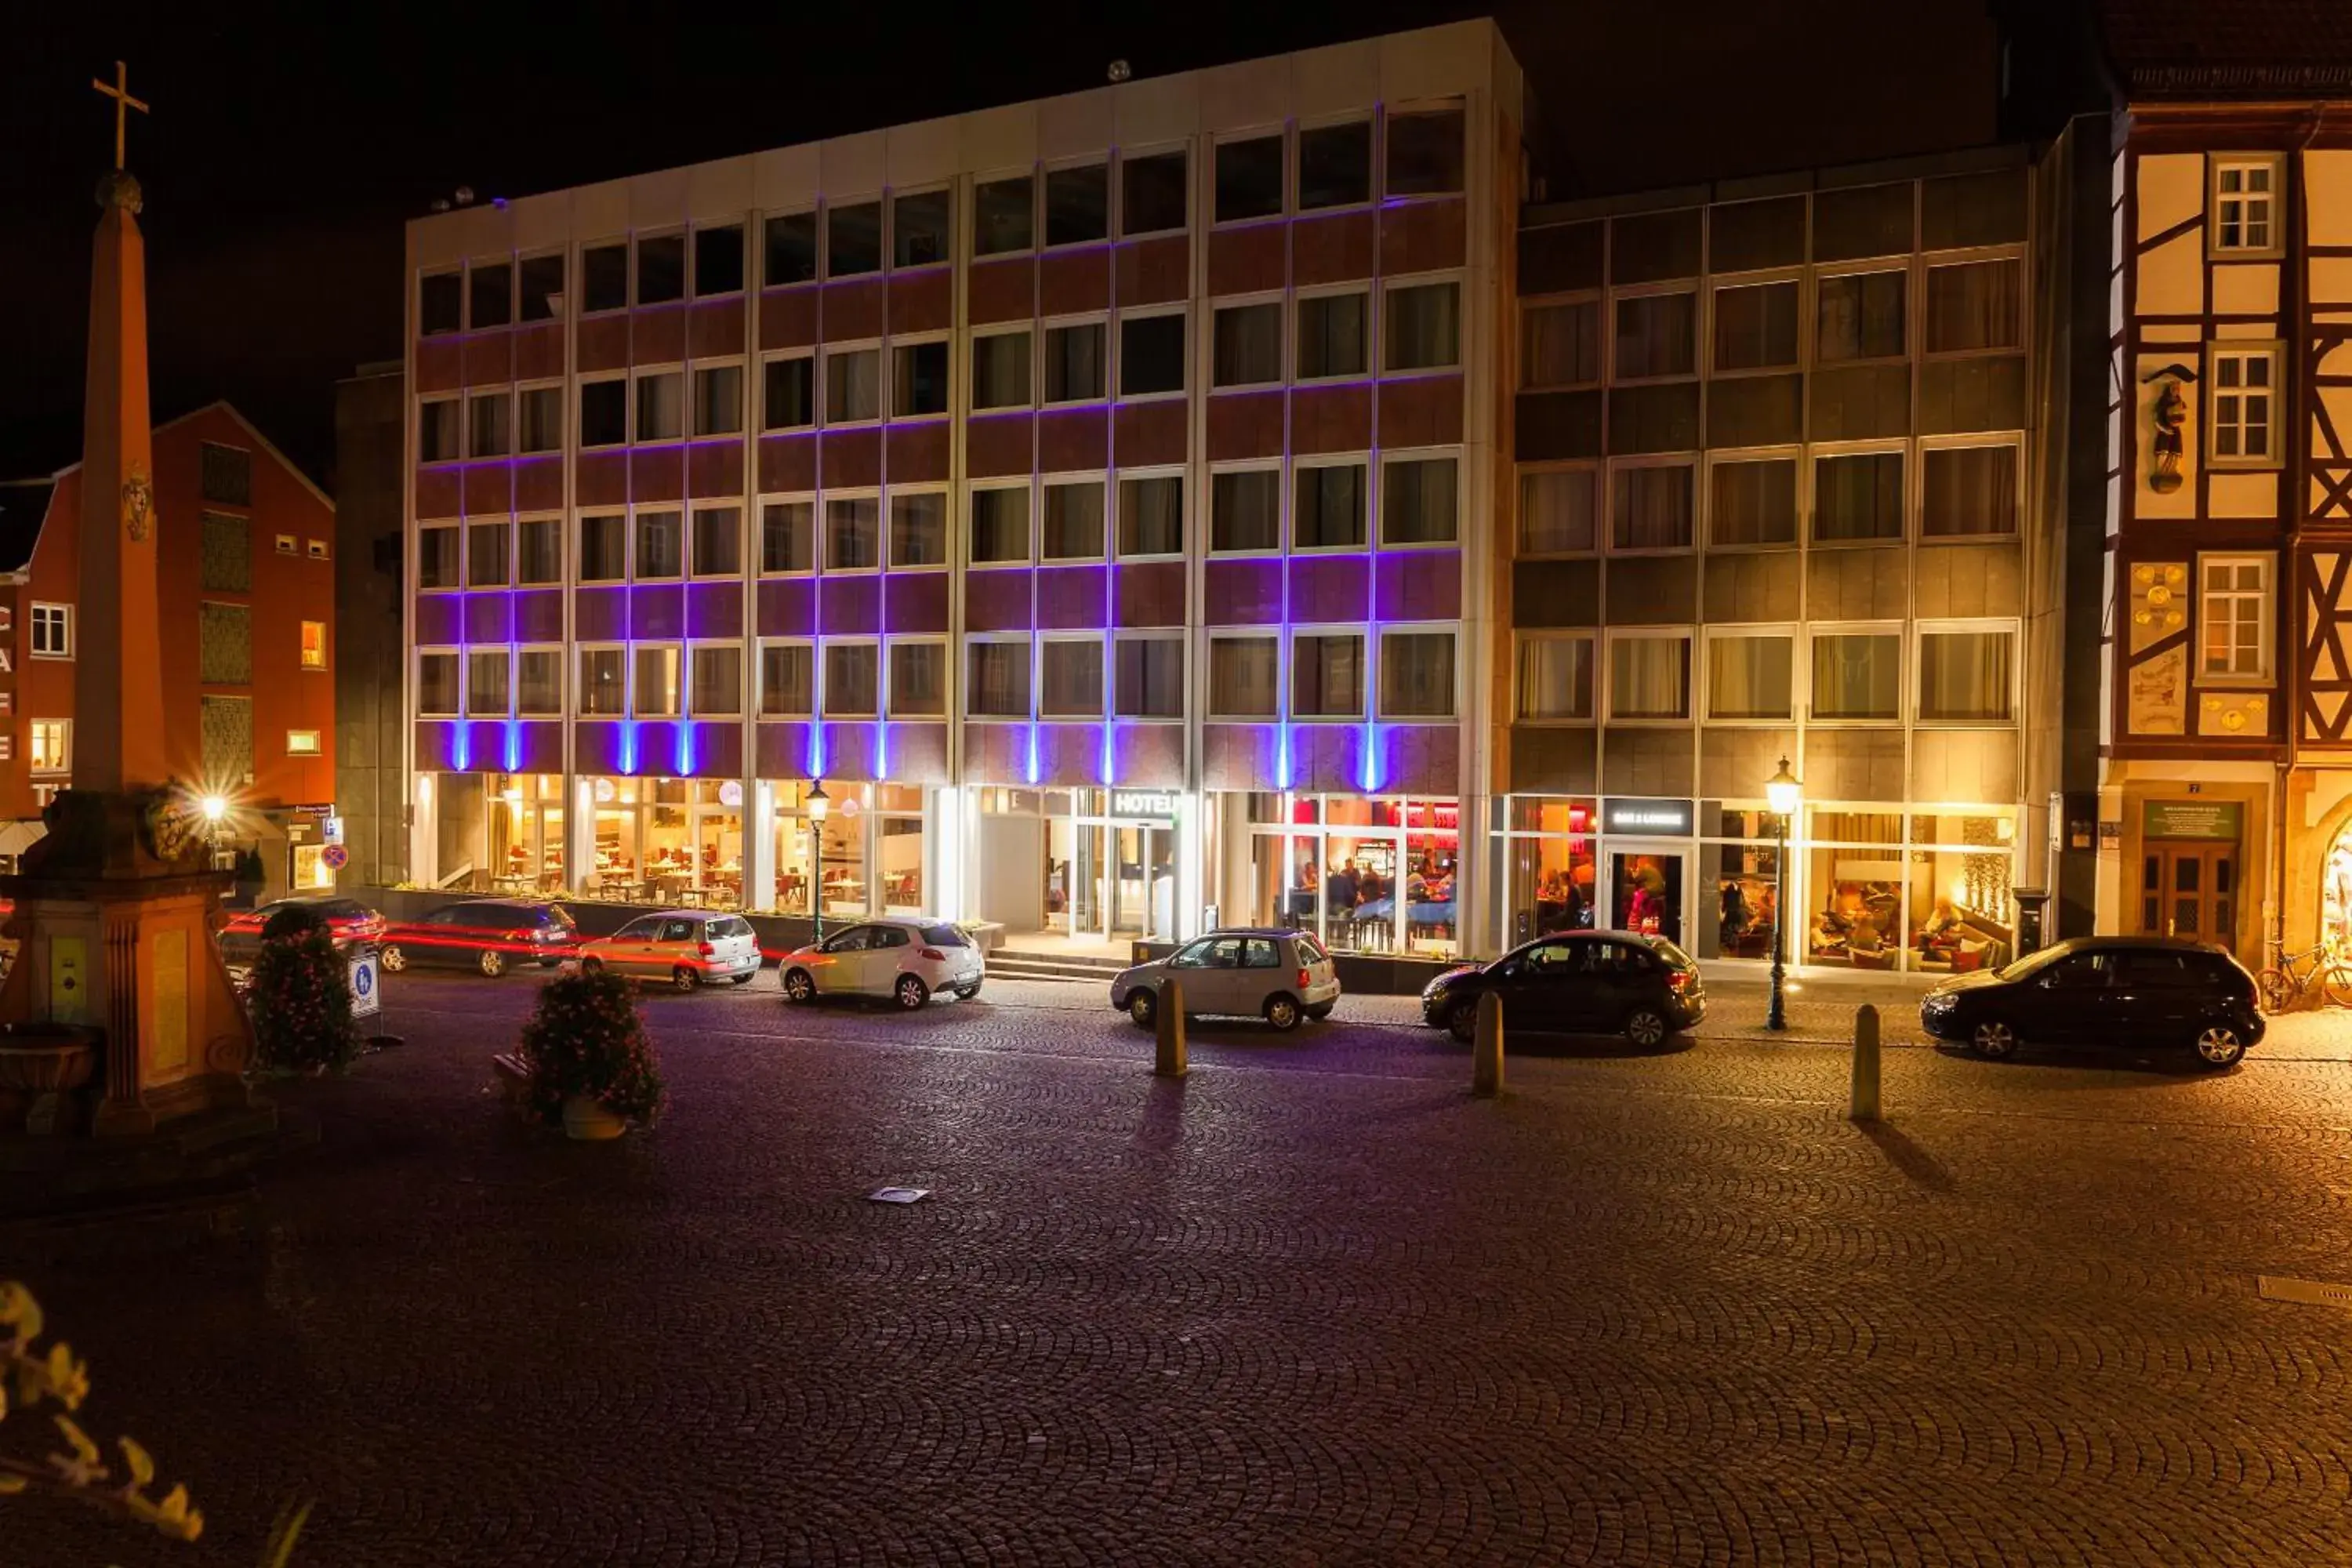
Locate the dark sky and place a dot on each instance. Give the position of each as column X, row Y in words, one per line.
column 290, row 143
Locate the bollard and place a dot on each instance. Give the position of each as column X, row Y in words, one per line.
column 1486, row 1048
column 1168, row 1030
column 1863, row 1100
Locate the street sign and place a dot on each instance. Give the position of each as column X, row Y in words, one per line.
column 366, row 1000
column 333, row 832
column 335, row 857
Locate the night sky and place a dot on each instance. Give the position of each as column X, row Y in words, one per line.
column 289, row 143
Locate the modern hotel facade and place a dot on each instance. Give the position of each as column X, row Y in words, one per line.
column 1106, row 501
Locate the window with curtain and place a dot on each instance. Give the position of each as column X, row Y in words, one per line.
column 1857, row 675
column 1860, row 316
column 1000, row 524
column 661, row 406
column 1070, row 678
column 2242, row 206
column 603, row 548
column 719, row 541
column 1650, row 507
column 1750, row 677
column 1333, row 330
column 919, row 528
column 1246, row 344
column 1326, row 676
column 485, row 683
column 998, row 687
column 787, row 681
column 718, row 400
column 1417, row 675
column 487, row 545
column 1555, row 510
column 717, row 677
column 1976, row 305
column 1649, row 678
column 1328, row 509
column 1073, row 362
column 1752, row 500
column 1419, row 497
column 1242, row 677
column 1246, row 509
column 1857, row 495
column 918, row 679
column 1149, row 681
column 539, row 681
column 1073, row 520
column 853, row 533
column 1424, row 327
column 1658, row 334
column 788, row 536
column 999, row 371
column 661, row 546
column 656, row 693
column 1968, row 491
column 853, row 386
column 1561, row 344
column 851, row 680
column 2233, row 614
column 603, row 682
column 1151, row 516
column 1964, row 677
column 1555, row 678
column 436, row 684
column 539, row 549
column 1756, row 326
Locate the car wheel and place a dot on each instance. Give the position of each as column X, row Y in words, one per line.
column 1143, row 1006
column 592, row 966
column 550, row 964
column 394, row 958
column 1645, row 1029
column 1463, row 1022
column 1282, row 1012
column 2220, row 1045
column 739, row 979
column 966, row 993
column 684, row 979
column 799, row 986
column 493, row 962
column 911, row 993
column 1993, row 1040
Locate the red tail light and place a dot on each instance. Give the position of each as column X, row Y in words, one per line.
column 1678, row 979
column 933, row 953
column 706, row 950
column 1303, row 981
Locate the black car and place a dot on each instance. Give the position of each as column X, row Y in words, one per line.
column 2127, row 992
column 487, row 934
column 1577, row 982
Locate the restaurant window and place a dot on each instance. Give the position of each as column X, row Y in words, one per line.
column 1328, row 509
column 1968, row 493
column 1860, row 316
column 718, row 400
column 1333, row 331
column 791, row 248
column 853, row 386
column 1976, row 305
column 1425, row 150
column 1857, row 676
column 1151, row 355
column 1752, row 502
column 661, row 547
column 1335, row 166
column 1243, row 681
column 1965, row 676
column 1249, row 178
column 1561, row 344
column 1000, row 524
column 1419, row 498
column 790, row 393
column 1326, row 676
column 1152, row 515
column 1075, row 371
column 998, row 680
column 1751, row 676
column 1003, row 214
column 853, row 239
column 1656, row 335
column 787, row 681
column 1649, row 676
column 1423, row 328
column 1857, row 495
column 1756, row 326
column 919, row 528
column 718, row 681
column 1557, row 508
column 1245, row 511
column 1555, row 678
column 2233, row 617
column 1070, row 677
column 1152, row 191
column 603, row 682
column 1417, row 675
column 922, row 223
column 719, row 541
column 718, row 260
column 661, row 268
column 853, row 533
column 604, row 278
column 1072, row 525
column 852, row 679
column 540, row 285
column 788, row 536
column 918, row 679
column 541, row 421
column 1247, row 346
column 1650, row 507
column 1077, row 204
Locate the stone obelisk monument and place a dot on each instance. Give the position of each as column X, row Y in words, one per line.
column 116, row 907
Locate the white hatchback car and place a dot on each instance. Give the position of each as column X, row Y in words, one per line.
column 909, row 958
column 686, row 947
column 1279, row 975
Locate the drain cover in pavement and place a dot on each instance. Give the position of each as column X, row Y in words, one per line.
column 2309, row 1292
column 898, row 1194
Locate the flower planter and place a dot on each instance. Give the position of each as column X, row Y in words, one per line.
column 590, row 1122
column 40, row 1064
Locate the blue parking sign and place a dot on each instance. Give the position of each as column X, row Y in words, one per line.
column 365, row 1000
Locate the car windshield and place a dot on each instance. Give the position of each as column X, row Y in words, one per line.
column 944, row 936
column 1311, row 948
column 728, row 925
column 557, row 915
column 2033, row 964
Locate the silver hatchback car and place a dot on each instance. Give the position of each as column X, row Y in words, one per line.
column 1279, row 975
column 686, row 947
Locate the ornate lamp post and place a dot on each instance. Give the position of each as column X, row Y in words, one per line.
column 818, row 805
column 1784, row 794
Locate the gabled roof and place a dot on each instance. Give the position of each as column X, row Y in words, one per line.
column 260, row 440
column 23, row 504
column 2229, row 50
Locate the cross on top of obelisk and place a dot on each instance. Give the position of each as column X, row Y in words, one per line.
column 123, row 104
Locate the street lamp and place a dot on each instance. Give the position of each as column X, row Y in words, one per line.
column 818, row 805
column 1784, row 794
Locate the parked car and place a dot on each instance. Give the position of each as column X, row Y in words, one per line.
column 489, row 934
column 909, row 958
column 1273, row 973
column 1577, row 982
column 686, row 947
column 348, row 921
column 2126, row 992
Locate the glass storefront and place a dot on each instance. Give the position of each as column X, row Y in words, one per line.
column 1105, row 861
column 1368, row 874
column 1933, row 897
column 1549, row 870
column 666, row 841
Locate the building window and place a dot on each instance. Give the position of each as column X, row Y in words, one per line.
column 286, row 547
column 52, row 745
column 1243, row 678
column 538, row 682
column 661, row 406
column 436, row 684
column 661, row 547
column 1245, row 511
column 717, row 261
column 1557, row 507
column 2233, row 617
column 1070, row 677
column 604, row 278
column 1077, row 204
column 719, row 541
column 1968, row 493
column 437, row 556
column 1751, row 676
column 853, row 386
column 437, row 430
column 718, row 400
column 1860, row 316
column 1419, row 499
column 853, row 533
column 789, row 402
column 1976, row 305
column 1151, row 193
column 1756, row 326
column 1335, row 166
column 1650, row 507
column 1657, row 335
column 788, row 536
column 852, row 679
column 1326, row 676
column 2245, row 407
column 790, row 249
column 603, row 549
column 1555, row 678
column 53, row 631
column 539, row 551
column 603, row 682
column 223, row 644
column 1649, row 678
column 487, row 546
column 1249, row 178
column 919, row 528
column 485, row 683
column 1424, row 327
column 999, row 371
column 655, row 683
column 540, row 282
column 1964, row 677
column 314, row 645
column 2246, row 193
column 1000, row 524
column 302, row 743
column 1857, row 495
column 1328, row 511
column 227, row 563
column 224, row 728
column 1333, row 336
column 1247, row 347
column 787, row 681
column 1417, row 675
column 1425, row 150
column 440, row 304
column 1151, row 355
column 1857, row 676
column 1752, row 502
column 1150, row 682
column 489, row 295
column 1074, row 363
column 1073, row 527
column 603, row 412
column 998, row 680
column 226, row 475
column 1003, row 214
column 1151, row 516
column 718, row 681
column 316, row 549
column 918, row 379
column 919, row 680
column 540, row 423
column 661, row 268
column 1561, row 344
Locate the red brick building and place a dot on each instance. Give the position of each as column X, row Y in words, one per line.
column 249, row 601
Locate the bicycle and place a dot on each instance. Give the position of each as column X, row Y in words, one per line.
column 2283, row 980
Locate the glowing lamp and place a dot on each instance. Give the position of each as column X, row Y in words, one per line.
column 214, row 808
column 1783, row 791
column 819, row 803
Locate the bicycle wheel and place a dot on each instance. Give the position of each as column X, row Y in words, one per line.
column 2335, row 979
column 2275, row 988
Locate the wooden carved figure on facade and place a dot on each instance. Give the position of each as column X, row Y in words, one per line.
column 2169, row 415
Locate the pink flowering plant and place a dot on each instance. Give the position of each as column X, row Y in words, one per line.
column 301, row 1003
column 586, row 1038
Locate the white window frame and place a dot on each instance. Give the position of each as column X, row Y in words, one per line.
column 823, row 553
column 1117, row 204
column 744, row 396
column 1375, row 167
column 641, row 374
column 684, row 541
column 568, row 293
column 756, row 281
column 58, row 766
column 1099, row 477
column 826, row 353
column 946, row 493
column 756, row 698
column 1391, row 284
column 562, row 679
column 912, row 341
column 295, row 749
column 1614, row 372
column 824, row 648
column 2266, row 618
column 454, row 527
column 576, row 682
column 694, row 510
column 1604, row 699
column 960, row 540
column 427, row 275
column 1377, row 642
column 453, row 400
column 2215, row 163
column 1286, row 202
column 1209, row 550
column 1037, row 677
column 1194, row 541
column 685, row 267
column 1915, row 286
column 693, row 244
column 743, row 682
column 303, row 664
column 1209, row 709
column 1362, row 289
column 626, row 245
column 1592, row 697
column 1566, row 298
column 513, row 431
column 1915, row 661
column 1935, row 262
column 756, row 564
column 1917, row 485
column 466, row 681
column 455, row 651
column 963, row 683
column 1717, row 457
column 563, row 416
column 1761, row 278
column 971, row 402
column 477, row 263
column 466, row 549
column 575, row 538
column 1149, row 634
column 1369, row 691
column 684, row 676
column 1599, row 471
column 1376, row 523
column 1790, row 632
column 1047, row 167
column 1194, row 373
column 1808, row 492
column 61, row 615
column 1282, row 328
column 817, row 392
column 1687, row 461
column 1903, row 672
column 880, row 201
column 891, row 647
column 969, row 221
column 2274, row 351
column 1372, row 469
column 1064, row 323
column 578, row 438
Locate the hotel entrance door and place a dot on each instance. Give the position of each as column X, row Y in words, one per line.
column 1110, row 878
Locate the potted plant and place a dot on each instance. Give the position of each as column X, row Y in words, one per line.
column 592, row 1069
column 300, row 996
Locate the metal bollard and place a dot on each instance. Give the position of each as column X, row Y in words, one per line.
column 1486, row 1048
column 1168, row 1031
column 1863, row 1099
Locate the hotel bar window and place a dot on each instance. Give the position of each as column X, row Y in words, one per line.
column 1938, row 900
column 1548, row 853
column 1741, row 856
column 1368, row 874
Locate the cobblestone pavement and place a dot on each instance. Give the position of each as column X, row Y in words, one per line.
column 1313, row 1305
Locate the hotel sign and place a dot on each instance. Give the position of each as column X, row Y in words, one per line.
column 1152, row 806
column 2193, row 819
column 1670, row 817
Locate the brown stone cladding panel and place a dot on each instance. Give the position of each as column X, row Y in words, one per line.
column 440, row 364
column 1003, row 291
column 1150, row 594
column 1424, row 412
column 916, row 453
column 788, row 317
column 1155, row 271
column 1245, row 424
column 600, row 478
column 490, row 359
column 852, row 310
column 787, row 463
column 852, row 457
column 715, row 329
column 1143, row 433
column 1073, row 281
column 997, row 444
column 538, row 483
column 715, row 469
column 1423, row 237
column 489, row 490
column 1152, row 754
column 1424, row 758
column 1333, row 249
column 1331, row 418
column 1247, row 260
column 1073, row 439
column 539, row 350
column 657, row 335
column 657, row 476
column 604, row 344
column 923, row 302
column 439, row 492
column 919, row 753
